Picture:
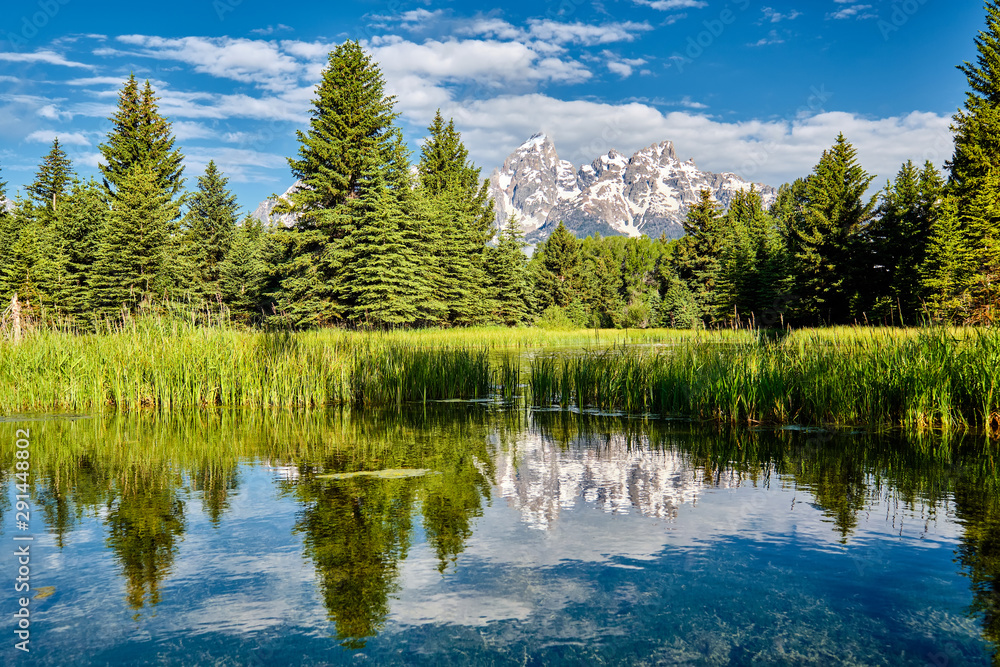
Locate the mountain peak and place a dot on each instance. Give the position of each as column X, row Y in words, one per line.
column 649, row 193
column 536, row 141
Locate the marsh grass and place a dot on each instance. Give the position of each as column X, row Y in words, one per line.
column 934, row 379
column 920, row 379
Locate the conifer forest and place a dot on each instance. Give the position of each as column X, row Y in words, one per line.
column 383, row 242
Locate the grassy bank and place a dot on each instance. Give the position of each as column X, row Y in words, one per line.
column 920, row 379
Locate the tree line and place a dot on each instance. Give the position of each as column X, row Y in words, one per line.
column 381, row 243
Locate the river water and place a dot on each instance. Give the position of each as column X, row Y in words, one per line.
column 496, row 537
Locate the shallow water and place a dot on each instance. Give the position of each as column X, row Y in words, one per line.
column 542, row 538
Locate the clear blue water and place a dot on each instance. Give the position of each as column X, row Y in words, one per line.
column 547, row 538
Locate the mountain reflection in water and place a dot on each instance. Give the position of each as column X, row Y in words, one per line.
column 552, row 535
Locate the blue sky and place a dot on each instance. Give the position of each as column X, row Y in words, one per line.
column 759, row 88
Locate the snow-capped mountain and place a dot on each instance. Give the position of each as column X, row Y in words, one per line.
column 649, row 193
column 265, row 210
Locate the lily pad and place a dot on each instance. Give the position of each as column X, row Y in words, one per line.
column 393, row 473
column 44, row 592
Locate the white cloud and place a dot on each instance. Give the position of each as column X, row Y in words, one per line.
column 667, row 5
column 772, row 152
column 772, row 38
column 44, row 56
column 271, row 29
column 772, row 16
column 66, row 138
column 623, row 67
column 852, row 11
column 487, row 62
column 53, row 112
column 555, row 33
column 258, row 62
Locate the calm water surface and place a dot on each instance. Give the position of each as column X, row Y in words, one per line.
column 543, row 538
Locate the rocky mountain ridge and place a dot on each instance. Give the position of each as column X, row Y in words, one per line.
column 648, row 193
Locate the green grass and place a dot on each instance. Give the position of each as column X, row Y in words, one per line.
column 920, row 379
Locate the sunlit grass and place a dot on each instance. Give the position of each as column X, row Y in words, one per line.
column 920, row 379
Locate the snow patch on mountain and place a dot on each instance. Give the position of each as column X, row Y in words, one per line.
column 265, row 210
column 649, row 193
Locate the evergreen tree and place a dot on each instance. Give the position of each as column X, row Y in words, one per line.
column 898, row 239
column 509, row 276
column 80, row 224
column 34, row 264
column 350, row 127
column 752, row 260
column 558, row 279
column 601, row 285
column 944, row 273
column 142, row 140
column 140, row 155
column 699, row 253
column 462, row 212
column 824, row 237
column 130, row 254
column 242, row 273
column 381, row 286
column 211, row 223
column 977, row 143
column 678, row 308
column 52, row 179
column 8, row 235
column 350, row 136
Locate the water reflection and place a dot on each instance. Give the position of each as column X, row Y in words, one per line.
column 671, row 494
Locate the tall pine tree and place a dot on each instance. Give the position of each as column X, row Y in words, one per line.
column 462, row 214
column 510, row 281
column 824, row 238
column 699, row 253
column 975, row 171
column 242, row 273
column 558, row 277
column 53, row 179
column 143, row 176
column 898, row 240
column 350, row 137
column 130, row 257
column 211, row 223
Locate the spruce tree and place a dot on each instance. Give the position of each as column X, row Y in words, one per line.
column 509, row 277
column 381, row 285
column 698, row 256
column 80, row 224
column 751, row 265
column 211, row 223
column 52, row 179
column 242, row 273
column 131, row 251
column 898, row 239
column 349, row 131
column 142, row 139
column 140, row 155
column 34, row 264
column 825, row 237
column 350, row 135
column 558, row 279
column 945, row 272
column 975, row 166
column 462, row 212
